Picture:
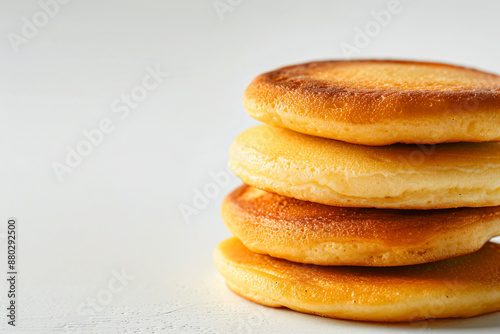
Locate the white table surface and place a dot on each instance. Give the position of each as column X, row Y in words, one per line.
column 119, row 209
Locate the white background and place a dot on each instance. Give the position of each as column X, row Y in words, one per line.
column 119, row 209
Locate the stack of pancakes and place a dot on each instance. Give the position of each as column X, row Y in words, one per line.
column 370, row 193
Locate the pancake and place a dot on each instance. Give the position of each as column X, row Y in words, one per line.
column 375, row 102
column 337, row 173
column 464, row 286
column 307, row 232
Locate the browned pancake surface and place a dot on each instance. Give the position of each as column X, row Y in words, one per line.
column 379, row 102
column 460, row 287
column 314, row 233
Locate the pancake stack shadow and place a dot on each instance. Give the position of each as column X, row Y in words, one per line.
column 370, row 193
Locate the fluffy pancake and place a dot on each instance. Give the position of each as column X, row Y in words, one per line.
column 464, row 286
column 374, row 102
column 342, row 174
column 307, row 232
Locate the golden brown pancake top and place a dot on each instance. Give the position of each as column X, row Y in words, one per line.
column 372, row 285
column 379, row 102
column 266, row 211
column 367, row 91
